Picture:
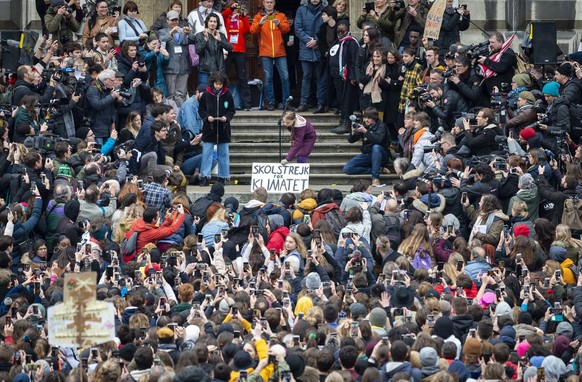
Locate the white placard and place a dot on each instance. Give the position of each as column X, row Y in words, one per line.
column 276, row 178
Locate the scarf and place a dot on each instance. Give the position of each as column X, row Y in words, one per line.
column 372, row 86
column 417, row 135
column 343, row 69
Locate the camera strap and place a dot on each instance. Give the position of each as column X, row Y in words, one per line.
column 130, row 23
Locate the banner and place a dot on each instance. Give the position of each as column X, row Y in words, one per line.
column 434, row 19
column 293, row 177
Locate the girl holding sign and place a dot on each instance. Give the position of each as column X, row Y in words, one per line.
column 303, row 137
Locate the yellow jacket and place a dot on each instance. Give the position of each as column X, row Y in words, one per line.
column 266, row 373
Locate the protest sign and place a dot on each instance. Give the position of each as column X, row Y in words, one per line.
column 434, row 19
column 80, row 320
column 276, row 178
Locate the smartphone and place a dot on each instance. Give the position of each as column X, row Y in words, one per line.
column 558, row 274
column 460, row 265
column 224, row 233
column 217, row 238
column 255, row 230
column 440, row 266
column 547, row 283
column 306, row 217
column 450, row 229
column 398, row 312
column 486, row 357
column 541, row 374
column 140, row 184
column 243, row 376
column 430, row 320
column 464, row 198
column 109, row 272
column 237, row 334
column 264, row 323
column 94, row 352
column 472, row 332
column 498, row 294
column 88, row 249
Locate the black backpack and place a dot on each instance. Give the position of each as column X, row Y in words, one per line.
column 335, row 220
column 392, row 230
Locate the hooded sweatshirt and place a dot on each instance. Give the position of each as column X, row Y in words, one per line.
column 531, row 197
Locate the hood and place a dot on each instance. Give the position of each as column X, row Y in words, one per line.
column 210, row 90
column 501, row 215
column 253, row 203
column 300, row 121
column 284, row 231
column 325, row 208
column 71, row 209
column 462, row 323
column 308, row 204
column 140, row 226
column 436, row 203
column 360, row 197
column 528, row 195
column 558, row 253
column 396, row 367
column 321, row 5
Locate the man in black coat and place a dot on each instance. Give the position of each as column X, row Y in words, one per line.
column 480, row 138
column 444, row 106
column 148, row 152
column 468, row 83
column 201, row 205
column 504, row 67
column 570, row 88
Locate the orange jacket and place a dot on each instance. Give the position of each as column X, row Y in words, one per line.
column 271, row 36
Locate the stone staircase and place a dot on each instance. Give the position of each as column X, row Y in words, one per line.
column 255, row 138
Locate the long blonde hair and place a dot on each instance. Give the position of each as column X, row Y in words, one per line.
column 450, row 267
column 417, row 239
column 564, row 234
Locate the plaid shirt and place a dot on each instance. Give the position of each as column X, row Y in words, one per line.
column 412, row 79
column 155, row 195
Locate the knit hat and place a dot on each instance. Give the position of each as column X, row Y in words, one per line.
column 560, row 345
column 527, row 96
column 275, row 221
column 165, row 332
column 472, row 347
column 457, row 367
column 65, row 171
column 313, row 281
column 554, row 367
column 551, row 89
column 537, row 360
column 565, row 69
column 225, row 327
column 358, row 310
column 231, row 204
column 565, row 328
column 127, row 351
column 530, row 372
column 71, row 209
column 526, row 181
column 527, row 133
column 217, row 188
column 558, row 253
column 522, row 348
column 443, row 327
column 296, row 365
column 82, row 132
column 522, row 80
column 192, row 333
column 378, row 317
column 242, row 360
column 487, row 299
column 521, row 230
column 428, row 357
column 21, row 377
column 225, row 304
column 172, row 15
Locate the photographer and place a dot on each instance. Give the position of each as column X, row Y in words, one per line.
column 374, row 154
column 60, row 22
column 484, row 182
column 27, row 81
column 412, row 15
column 467, row 83
column 480, row 138
column 444, row 105
column 102, row 102
column 91, row 208
column 556, row 120
column 501, row 63
column 526, row 113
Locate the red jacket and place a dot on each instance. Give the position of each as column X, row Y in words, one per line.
column 277, row 239
column 236, row 26
column 149, row 233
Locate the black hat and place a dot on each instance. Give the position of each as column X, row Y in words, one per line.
column 296, row 365
column 402, row 297
column 217, row 189
column 242, row 360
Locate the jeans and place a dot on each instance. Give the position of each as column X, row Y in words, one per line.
column 367, row 163
column 223, row 160
column 203, row 78
column 281, row 64
column 190, row 165
column 149, row 162
column 311, row 69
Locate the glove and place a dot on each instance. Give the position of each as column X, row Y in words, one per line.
column 284, row 162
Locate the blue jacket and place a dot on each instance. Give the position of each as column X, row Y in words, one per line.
column 474, row 267
column 148, row 56
column 188, row 117
column 307, row 24
column 143, row 144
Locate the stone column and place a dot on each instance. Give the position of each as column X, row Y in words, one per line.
column 150, row 10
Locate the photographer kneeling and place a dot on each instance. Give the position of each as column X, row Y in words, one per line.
column 374, row 154
column 479, row 138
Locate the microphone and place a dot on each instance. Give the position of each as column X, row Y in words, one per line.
column 288, row 102
column 353, row 118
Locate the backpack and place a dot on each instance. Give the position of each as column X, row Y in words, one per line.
column 571, row 213
column 420, row 262
column 392, row 230
column 335, row 220
column 128, row 246
column 7, row 98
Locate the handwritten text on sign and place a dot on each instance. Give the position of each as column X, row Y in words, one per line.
column 434, row 19
column 293, row 177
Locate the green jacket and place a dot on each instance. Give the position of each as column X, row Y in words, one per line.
column 531, row 197
column 60, row 26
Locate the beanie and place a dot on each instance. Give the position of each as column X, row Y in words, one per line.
column 565, row 328
column 527, row 96
column 296, row 365
column 165, row 333
column 551, row 89
column 242, row 360
column 443, row 327
column 217, row 189
column 428, row 357
column 126, row 352
column 378, row 317
column 82, row 132
column 522, row 80
column 526, row 181
column 521, row 230
column 527, row 133
column 565, row 69
column 313, row 281
column 358, row 310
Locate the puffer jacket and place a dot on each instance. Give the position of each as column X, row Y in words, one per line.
column 101, row 108
column 526, row 115
column 211, row 52
column 271, row 35
column 420, row 159
column 277, row 239
column 450, row 107
column 572, row 91
column 482, row 140
column 149, row 233
column 307, row 24
column 470, row 88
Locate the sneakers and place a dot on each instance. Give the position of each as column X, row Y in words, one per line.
column 271, row 107
column 343, row 128
column 203, row 182
column 301, row 108
column 385, row 170
column 375, row 182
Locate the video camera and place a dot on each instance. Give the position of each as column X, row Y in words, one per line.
column 471, row 117
column 355, row 121
column 428, row 149
column 478, row 50
column 399, row 4
column 417, row 92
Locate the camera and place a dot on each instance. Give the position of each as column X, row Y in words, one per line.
column 399, row 4
column 478, row 50
column 471, row 117
column 424, row 98
column 355, row 121
column 125, row 94
column 449, row 73
column 429, row 149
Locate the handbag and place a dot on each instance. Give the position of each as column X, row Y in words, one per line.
column 194, row 57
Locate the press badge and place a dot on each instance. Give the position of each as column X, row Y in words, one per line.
column 178, row 49
column 233, row 39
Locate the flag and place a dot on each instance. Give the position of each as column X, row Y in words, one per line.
column 488, row 73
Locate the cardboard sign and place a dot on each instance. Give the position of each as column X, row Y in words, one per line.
column 80, row 320
column 276, row 178
column 434, row 19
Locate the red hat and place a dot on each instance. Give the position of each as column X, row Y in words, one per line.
column 159, row 269
column 527, row 133
column 521, row 230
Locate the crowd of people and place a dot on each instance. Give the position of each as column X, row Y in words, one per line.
column 467, row 270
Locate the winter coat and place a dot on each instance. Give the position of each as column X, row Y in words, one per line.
column 92, row 211
column 461, row 325
column 149, row 233
column 482, row 140
column 531, row 197
column 179, row 56
column 505, row 69
column 307, row 24
column 271, row 35
column 277, row 239
column 200, row 206
column 450, row 107
column 406, row 20
column 211, row 52
column 392, row 368
column 320, row 211
column 386, row 27
column 101, row 107
column 474, row 267
column 572, row 91
column 303, row 136
column 376, row 135
column 60, row 26
column 526, row 115
column 102, row 23
column 162, row 23
column 156, row 79
column 349, row 49
column 470, row 89
column 212, row 228
column 216, row 105
column 493, row 232
column 420, row 159
column 23, row 117
column 236, row 24
column 451, row 26
column 143, row 144
column 392, row 93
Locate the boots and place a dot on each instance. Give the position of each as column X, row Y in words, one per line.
column 343, row 128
